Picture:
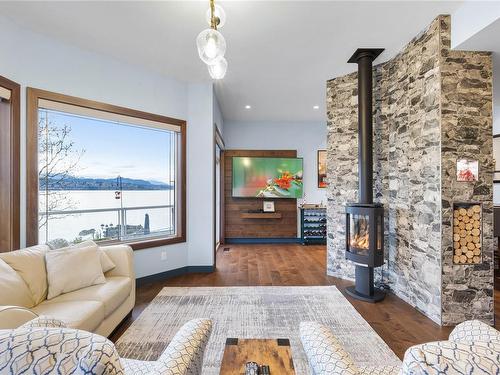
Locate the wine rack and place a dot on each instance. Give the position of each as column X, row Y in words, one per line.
column 313, row 225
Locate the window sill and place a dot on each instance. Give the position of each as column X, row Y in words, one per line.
column 146, row 244
column 155, row 242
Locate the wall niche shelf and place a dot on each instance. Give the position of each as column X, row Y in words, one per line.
column 260, row 215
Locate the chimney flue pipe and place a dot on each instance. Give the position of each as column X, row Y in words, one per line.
column 364, row 58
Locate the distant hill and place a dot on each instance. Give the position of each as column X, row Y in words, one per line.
column 82, row 183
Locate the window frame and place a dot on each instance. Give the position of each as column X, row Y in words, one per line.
column 13, row 183
column 33, row 96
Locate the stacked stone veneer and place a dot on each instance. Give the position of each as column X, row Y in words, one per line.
column 431, row 106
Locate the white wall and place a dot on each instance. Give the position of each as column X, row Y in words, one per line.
column 306, row 138
column 218, row 119
column 34, row 60
column 200, row 134
column 469, row 19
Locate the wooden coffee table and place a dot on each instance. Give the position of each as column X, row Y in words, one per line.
column 275, row 353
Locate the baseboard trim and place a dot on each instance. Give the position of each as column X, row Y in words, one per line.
column 173, row 273
column 262, row 240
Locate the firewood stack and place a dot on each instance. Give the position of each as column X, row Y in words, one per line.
column 467, row 235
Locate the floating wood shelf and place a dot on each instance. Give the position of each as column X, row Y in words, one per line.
column 260, row 215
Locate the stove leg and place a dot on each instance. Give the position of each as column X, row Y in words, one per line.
column 364, row 288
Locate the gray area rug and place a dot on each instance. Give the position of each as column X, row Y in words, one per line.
column 253, row 312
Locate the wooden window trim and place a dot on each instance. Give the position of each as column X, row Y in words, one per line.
column 33, row 96
column 14, row 182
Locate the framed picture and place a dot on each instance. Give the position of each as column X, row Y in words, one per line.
column 268, row 206
column 467, row 170
column 322, row 169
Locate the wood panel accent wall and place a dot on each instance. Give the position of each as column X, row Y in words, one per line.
column 237, row 227
column 9, row 167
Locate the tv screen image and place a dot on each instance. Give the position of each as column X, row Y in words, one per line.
column 264, row 177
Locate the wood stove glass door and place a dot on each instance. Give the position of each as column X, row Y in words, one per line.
column 359, row 233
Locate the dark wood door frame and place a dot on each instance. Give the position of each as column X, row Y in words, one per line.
column 10, row 161
column 218, row 141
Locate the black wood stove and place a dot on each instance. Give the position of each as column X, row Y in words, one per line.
column 365, row 220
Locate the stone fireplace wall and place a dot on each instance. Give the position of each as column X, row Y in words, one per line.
column 466, row 132
column 431, row 105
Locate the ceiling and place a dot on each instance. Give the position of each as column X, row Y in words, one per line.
column 280, row 53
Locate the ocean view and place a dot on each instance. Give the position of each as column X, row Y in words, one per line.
column 70, row 226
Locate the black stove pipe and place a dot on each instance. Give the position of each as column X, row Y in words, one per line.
column 364, row 58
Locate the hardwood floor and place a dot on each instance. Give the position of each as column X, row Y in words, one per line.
column 399, row 324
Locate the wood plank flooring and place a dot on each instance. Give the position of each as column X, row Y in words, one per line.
column 399, row 324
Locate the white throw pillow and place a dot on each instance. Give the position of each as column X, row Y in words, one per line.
column 29, row 263
column 106, row 262
column 72, row 269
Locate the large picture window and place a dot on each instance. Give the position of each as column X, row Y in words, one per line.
column 105, row 173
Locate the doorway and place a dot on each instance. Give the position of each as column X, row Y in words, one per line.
column 218, row 191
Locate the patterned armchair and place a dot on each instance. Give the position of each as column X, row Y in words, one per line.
column 473, row 348
column 45, row 346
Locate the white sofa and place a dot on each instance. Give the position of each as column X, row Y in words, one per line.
column 98, row 308
column 473, row 348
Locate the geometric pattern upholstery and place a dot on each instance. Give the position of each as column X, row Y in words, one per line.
column 45, row 346
column 327, row 356
column 452, row 357
column 184, row 354
column 473, row 349
column 42, row 350
column 44, row 321
column 474, row 331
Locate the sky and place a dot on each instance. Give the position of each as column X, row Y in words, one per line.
column 116, row 149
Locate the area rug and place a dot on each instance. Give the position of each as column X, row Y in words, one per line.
column 253, row 312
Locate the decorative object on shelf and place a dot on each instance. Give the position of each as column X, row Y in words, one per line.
column 313, row 224
column 322, row 169
column 467, row 233
column 211, row 43
column 467, row 170
column 268, row 206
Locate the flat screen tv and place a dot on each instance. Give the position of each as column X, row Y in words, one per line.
column 265, row 177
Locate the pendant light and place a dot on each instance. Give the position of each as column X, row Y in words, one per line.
column 211, row 43
column 218, row 69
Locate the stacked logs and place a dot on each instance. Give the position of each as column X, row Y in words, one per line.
column 467, row 234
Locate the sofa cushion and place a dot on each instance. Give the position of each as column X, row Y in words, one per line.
column 86, row 315
column 29, row 263
column 72, row 269
column 112, row 293
column 15, row 291
column 106, row 262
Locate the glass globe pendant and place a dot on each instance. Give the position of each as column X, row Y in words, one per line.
column 218, row 70
column 211, row 46
column 219, row 14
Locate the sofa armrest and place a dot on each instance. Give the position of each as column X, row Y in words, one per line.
column 450, row 357
column 15, row 316
column 474, row 331
column 185, row 352
column 325, row 353
column 123, row 258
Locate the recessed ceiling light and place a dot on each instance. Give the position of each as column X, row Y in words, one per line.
column 248, row 107
column 315, row 106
